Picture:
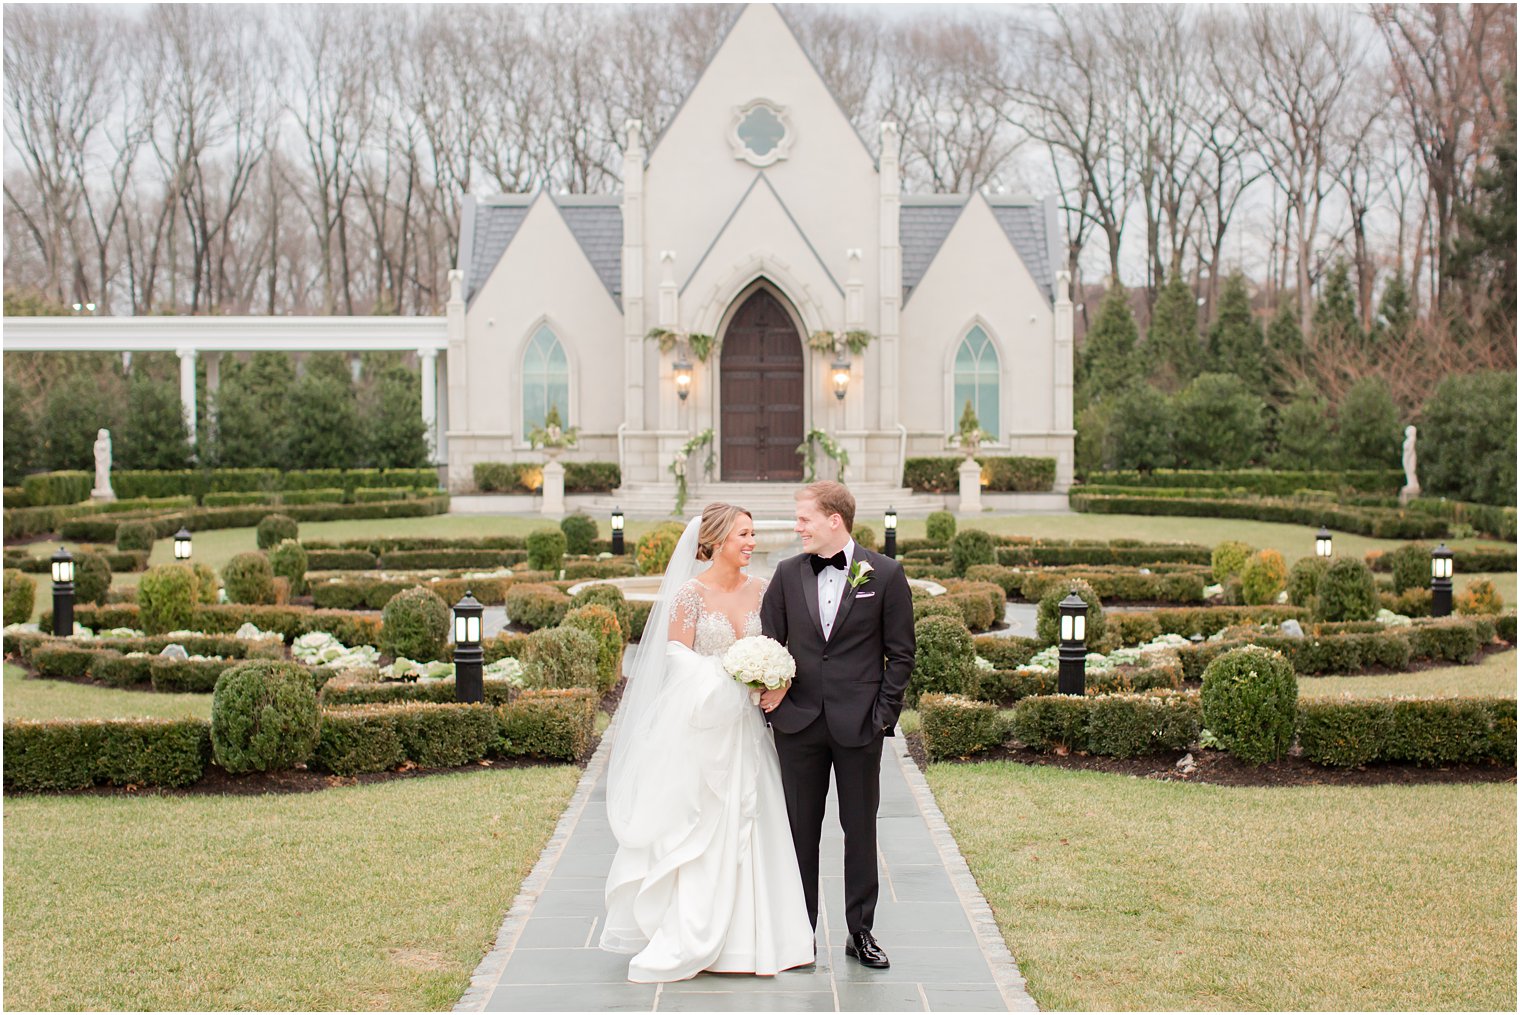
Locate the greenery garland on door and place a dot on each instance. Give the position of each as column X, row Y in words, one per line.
column 677, row 467
column 834, row 341
column 809, row 453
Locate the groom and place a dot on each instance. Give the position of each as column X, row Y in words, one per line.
column 846, row 616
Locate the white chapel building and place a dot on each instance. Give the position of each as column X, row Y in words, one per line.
column 760, row 217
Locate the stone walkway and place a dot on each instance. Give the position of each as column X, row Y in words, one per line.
column 946, row 952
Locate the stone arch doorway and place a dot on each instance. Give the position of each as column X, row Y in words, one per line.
column 761, row 385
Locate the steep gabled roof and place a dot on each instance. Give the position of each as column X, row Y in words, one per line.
column 1028, row 224
column 923, row 222
column 491, row 223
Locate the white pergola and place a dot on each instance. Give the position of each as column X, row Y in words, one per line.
column 192, row 337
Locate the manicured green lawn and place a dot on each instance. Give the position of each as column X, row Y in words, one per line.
column 383, row 896
column 1121, row 893
column 27, row 698
column 1495, row 675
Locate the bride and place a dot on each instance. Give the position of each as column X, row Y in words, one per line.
column 705, row 876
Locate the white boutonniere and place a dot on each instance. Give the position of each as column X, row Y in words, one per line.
column 860, row 573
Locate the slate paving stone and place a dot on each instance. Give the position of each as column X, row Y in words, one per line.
column 549, row 959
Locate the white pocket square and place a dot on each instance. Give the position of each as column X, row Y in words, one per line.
column 864, row 595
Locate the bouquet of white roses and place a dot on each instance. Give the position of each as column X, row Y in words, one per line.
column 760, row 663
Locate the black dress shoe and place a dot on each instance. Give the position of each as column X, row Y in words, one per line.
column 863, row 948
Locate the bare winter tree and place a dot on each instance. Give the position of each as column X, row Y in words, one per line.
column 1288, row 83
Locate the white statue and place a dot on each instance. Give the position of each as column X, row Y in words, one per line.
column 103, row 489
column 1411, row 480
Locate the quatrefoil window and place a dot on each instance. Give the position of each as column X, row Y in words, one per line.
column 760, row 134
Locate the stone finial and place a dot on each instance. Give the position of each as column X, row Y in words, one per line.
column 456, row 285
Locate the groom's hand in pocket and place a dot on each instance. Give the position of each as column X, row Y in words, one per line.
column 770, row 699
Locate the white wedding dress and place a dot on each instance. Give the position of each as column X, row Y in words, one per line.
column 705, row 876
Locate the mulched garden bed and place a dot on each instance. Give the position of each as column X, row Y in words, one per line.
column 1222, row 769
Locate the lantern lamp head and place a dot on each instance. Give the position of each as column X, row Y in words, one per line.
column 683, row 377
column 1440, row 563
column 841, row 376
column 1322, row 543
column 617, row 519
column 467, row 617
column 1073, row 611
column 63, row 566
column 182, row 544
column 891, row 519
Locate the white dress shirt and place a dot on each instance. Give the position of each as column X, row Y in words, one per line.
column 832, row 583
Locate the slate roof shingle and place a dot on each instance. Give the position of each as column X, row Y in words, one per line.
column 495, row 225
column 596, row 224
column 921, row 230
column 1024, row 224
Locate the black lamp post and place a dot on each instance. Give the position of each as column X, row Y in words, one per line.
column 1071, row 676
column 1322, row 547
column 1440, row 581
column 182, row 544
column 63, row 593
column 618, row 548
column 469, row 659
column 889, row 547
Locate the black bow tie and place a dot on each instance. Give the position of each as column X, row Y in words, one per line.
column 819, row 563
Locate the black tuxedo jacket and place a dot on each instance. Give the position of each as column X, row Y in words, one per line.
column 857, row 676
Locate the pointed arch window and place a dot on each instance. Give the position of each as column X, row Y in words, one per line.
column 977, row 376
column 545, row 380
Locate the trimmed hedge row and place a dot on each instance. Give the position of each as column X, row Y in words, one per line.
column 1453, row 640
column 1111, row 583
column 1000, row 474
column 24, row 643
column 75, row 754
column 528, row 477
column 116, row 669
column 335, row 693
column 1463, row 561
column 21, row 523
column 1346, row 732
column 1382, row 523
column 103, row 530
column 289, row 622
column 1261, row 482
column 118, row 560
column 70, row 754
column 1008, row 686
column 1052, row 553
column 1137, row 628
column 376, row 545
column 198, row 483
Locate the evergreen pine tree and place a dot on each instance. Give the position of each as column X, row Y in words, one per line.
column 1285, row 350
column 21, row 450
column 1335, row 313
column 1303, row 432
column 153, row 434
column 325, row 427
column 1236, row 343
column 398, row 437
column 1108, row 354
column 74, row 411
column 253, row 412
column 1395, row 316
column 1368, row 423
column 1171, row 342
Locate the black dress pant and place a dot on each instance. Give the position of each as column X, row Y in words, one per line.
column 806, row 759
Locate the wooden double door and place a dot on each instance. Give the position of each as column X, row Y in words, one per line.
column 761, row 387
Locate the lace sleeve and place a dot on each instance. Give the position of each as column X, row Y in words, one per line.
column 684, row 613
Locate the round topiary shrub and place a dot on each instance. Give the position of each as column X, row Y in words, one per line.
column 207, row 584
column 939, row 527
column 288, row 560
column 602, row 624
column 249, row 579
column 1480, row 598
column 166, row 598
column 136, row 536
column 611, row 597
column 559, row 657
column 273, row 528
column 970, row 548
column 1409, row 565
column 652, row 554
column 92, row 577
column 264, row 717
column 938, row 606
column 535, row 606
column 1048, row 617
column 1229, row 558
column 1250, row 703
column 546, row 550
column 20, row 597
column 1264, row 576
column 414, row 625
column 1346, row 592
column 1304, row 578
column 945, row 662
column 580, row 532
column 865, row 536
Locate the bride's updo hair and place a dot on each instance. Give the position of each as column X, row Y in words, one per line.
column 718, row 520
